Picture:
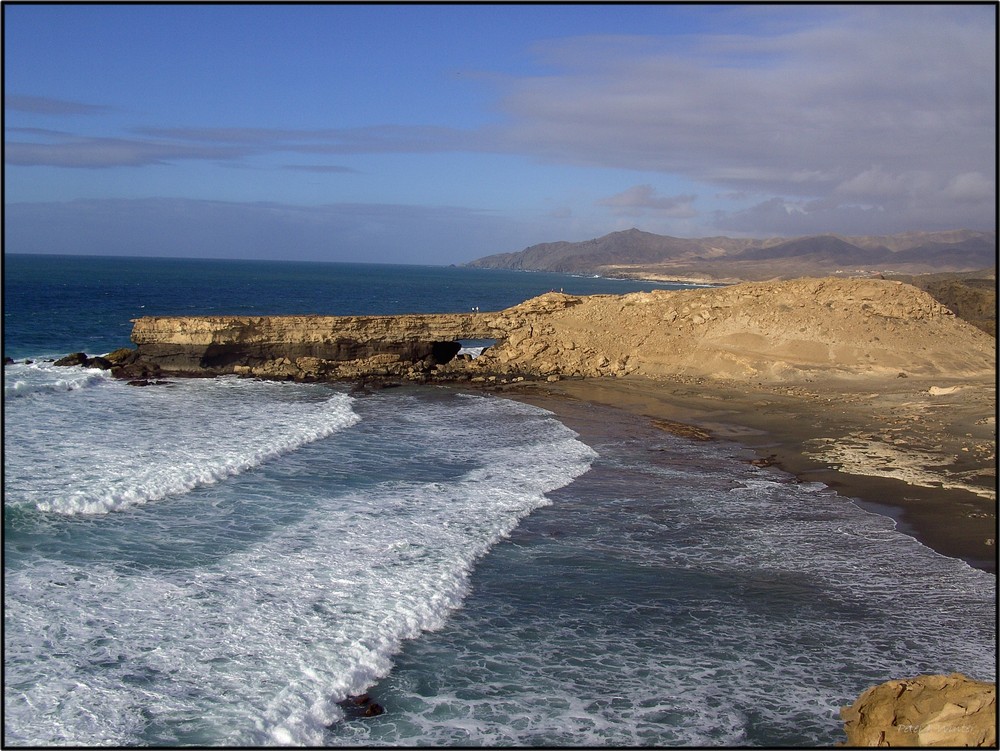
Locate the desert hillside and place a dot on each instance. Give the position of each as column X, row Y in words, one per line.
column 771, row 331
column 972, row 296
column 637, row 254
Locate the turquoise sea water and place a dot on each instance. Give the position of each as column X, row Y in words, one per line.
column 220, row 562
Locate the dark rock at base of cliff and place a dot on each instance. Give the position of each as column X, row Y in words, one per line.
column 136, row 370
column 227, row 357
column 116, row 360
column 77, row 358
column 127, row 365
column 99, row 362
column 122, row 356
column 371, row 384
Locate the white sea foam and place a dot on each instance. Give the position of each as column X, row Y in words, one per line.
column 257, row 647
column 716, row 606
column 41, row 378
column 123, row 446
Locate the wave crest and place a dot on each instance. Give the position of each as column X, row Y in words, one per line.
column 32, row 380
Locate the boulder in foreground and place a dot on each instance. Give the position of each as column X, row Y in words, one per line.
column 929, row 710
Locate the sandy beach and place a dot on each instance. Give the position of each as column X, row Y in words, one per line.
column 920, row 450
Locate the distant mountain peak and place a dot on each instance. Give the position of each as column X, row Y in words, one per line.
column 635, row 252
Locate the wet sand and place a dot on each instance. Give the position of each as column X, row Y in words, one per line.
column 926, row 459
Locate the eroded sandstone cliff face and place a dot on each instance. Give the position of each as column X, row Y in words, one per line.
column 770, row 332
column 929, row 710
column 304, row 347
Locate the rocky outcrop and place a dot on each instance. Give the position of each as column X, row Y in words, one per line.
column 970, row 296
column 305, row 347
column 929, row 710
column 774, row 332
column 356, row 707
column 124, row 363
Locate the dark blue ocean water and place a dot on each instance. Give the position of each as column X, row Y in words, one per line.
column 220, row 562
column 57, row 304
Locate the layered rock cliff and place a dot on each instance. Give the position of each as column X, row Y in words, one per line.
column 304, row 347
column 929, row 710
column 769, row 332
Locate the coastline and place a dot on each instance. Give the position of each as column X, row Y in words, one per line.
column 925, row 459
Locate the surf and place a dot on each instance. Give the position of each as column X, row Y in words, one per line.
column 243, row 611
column 122, row 446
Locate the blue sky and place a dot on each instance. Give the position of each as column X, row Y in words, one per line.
column 442, row 133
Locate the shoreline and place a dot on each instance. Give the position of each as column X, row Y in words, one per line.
column 925, row 460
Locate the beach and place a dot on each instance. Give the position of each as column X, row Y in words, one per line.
column 925, row 459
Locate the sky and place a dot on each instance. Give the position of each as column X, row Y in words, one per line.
column 437, row 134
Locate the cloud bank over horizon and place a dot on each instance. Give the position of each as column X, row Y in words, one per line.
column 751, row 121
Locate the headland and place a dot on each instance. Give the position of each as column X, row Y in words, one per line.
column 870, row 386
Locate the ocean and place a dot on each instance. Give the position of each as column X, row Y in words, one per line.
column 222, row 562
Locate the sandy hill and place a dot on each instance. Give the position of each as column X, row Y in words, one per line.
column 795, row 330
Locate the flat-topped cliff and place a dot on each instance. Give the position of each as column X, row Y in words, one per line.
column 206, row 330
column 769, row 332
column 304, row 347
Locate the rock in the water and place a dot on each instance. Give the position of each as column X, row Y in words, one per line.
column 77, row 358
column 136, row 371
column 99, row 362
column 929, row 710
column 361, row 706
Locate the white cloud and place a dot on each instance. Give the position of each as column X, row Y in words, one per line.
column 889, row 106
column 64, row 150
column 882, row 116
column 971, row 186
column 40, row 105
column 876, row 182
column 641, row 200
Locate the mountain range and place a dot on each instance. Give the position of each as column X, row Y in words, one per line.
column 633, row 253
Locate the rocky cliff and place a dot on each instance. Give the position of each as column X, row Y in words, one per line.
column 770, row 332
column 302, row 347
column 929, row 710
